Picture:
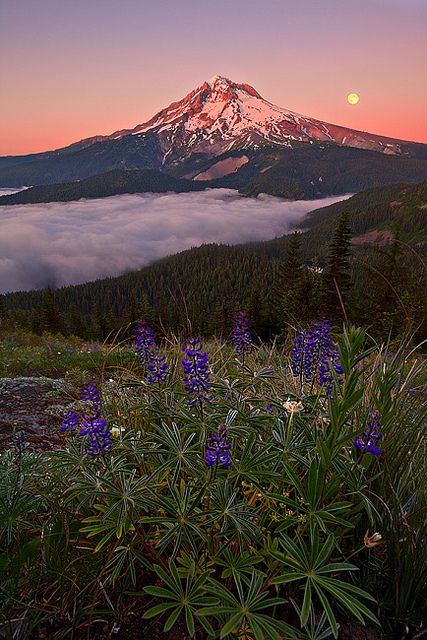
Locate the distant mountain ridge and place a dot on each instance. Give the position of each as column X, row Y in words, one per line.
column 219, row 118
column 306, row 172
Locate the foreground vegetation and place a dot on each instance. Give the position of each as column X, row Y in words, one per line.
column 255, row 492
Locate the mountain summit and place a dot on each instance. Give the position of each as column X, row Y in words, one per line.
column 226, row 131
column 221, row 115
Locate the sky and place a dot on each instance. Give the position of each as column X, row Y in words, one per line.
column 64, row 243
column 71, row 69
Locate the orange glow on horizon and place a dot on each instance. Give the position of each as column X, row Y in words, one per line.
column 71, row 70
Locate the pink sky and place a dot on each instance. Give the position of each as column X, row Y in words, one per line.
column 77, row 68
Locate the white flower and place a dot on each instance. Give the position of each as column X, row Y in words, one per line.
column 373, row 540
column 117, row 431
column 292, row 406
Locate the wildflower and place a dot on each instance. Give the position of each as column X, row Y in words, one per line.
column 292, row 406
column 196, row 368
column 99, row 435
column 19, row 443
column 241, row 335
column 149, row 354
column 145, row 343
column 313, row 353
column 218, row 450
column 158, row 368
column 90, row 394
column 117, row 431
column 71, row 422
column 269, row 407
column 367, row 441
column 373, row 540
column 91, row 424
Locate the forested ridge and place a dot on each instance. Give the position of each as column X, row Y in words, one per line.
column 306, row 171
column 288, row 279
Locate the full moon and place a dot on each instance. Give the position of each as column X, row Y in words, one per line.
column 353, row 98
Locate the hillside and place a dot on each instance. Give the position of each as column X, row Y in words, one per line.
column 206, row 283
column 112, row 183
column 304, row 172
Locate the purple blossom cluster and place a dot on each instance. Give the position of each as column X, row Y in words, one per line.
column 196, row 369
column 93, row 425
column 19, row 442
column 241, row 335
column 368, row 440
column 99, row 435
column 148, row 353
column 314, row 353
column 218, row 450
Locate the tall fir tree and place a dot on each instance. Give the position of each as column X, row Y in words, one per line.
column 51, row 316
column 337, row 279
column 74, row 322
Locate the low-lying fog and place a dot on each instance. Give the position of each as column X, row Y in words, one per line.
column 72, row 242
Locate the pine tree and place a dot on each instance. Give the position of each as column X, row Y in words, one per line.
column 51, row 317
column 337, row 280
column 2, row 312
column 74, row 322
column 289, row 284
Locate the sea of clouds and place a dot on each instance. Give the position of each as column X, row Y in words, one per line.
column 72, row 242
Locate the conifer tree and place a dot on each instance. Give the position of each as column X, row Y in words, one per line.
column 289, row 284
column 337, row 280
column 75, row 323
column 51, row 317
column 2, row 312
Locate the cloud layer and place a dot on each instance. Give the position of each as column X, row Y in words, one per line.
column 68, row 243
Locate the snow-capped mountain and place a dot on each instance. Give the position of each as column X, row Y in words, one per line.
column 225, row 131
column 220, row 115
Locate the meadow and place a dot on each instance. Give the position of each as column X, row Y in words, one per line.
column 218, row 489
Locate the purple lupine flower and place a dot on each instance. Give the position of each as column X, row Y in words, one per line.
column 90, row 395
column 71, row 422
column 218, row 450
column 148, row 352
column 91, row 424
column 313, row 353
column 99, row 435
column 241, row 335
column 145, row 343
column 269, row 407
column 368, row 440
column 196, row 368
column 19, row 443
column 158, row 368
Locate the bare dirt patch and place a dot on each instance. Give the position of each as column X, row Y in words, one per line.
column 382, row 238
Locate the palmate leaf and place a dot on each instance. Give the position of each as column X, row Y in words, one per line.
column 245, row 607
column 184, row 596
column 312, row 566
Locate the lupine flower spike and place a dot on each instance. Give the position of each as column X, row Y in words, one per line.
column 218, row 450
column 196, row 368
column 91, row 424
column 154, row 364
column 241, row 335
column 145, row 342
column 368, row 440
column 313, row 353
column 70, row 422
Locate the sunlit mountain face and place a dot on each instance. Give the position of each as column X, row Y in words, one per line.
column 223, row 128
column 220, row 115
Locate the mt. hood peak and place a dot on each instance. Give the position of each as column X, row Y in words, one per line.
column 220, row 115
